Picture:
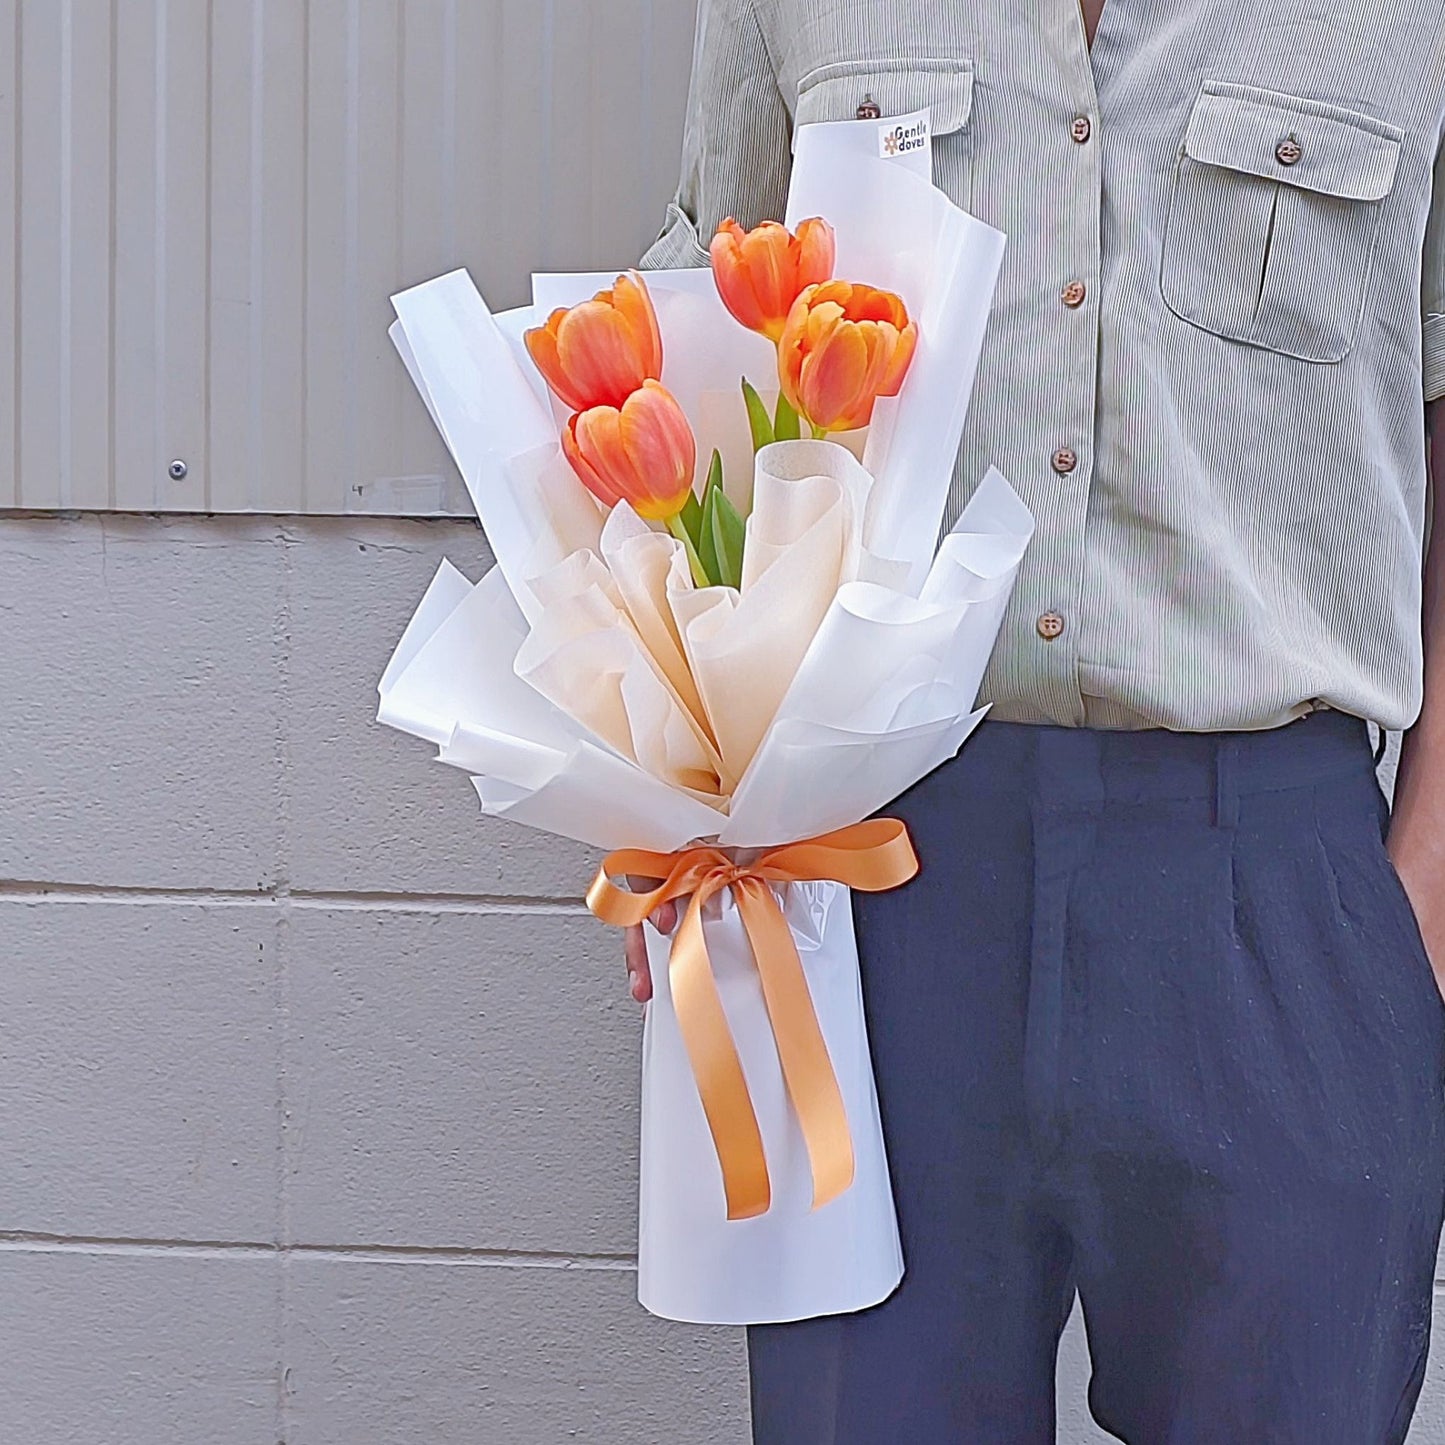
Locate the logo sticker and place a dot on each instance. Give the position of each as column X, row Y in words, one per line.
column 902, row 140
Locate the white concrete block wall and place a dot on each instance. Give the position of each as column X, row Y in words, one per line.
column 317, row 1092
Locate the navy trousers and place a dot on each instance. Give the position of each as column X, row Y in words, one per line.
column 1155, row 1023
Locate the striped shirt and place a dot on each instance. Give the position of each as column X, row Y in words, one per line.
column 1221, row 313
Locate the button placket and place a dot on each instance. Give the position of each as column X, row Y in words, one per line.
column 1057, row 603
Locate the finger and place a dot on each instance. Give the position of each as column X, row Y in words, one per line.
column 639, row 975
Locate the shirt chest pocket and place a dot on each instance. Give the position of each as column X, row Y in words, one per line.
column 1273, row 220
column 898, row 86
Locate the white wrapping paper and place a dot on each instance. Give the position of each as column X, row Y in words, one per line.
column 590, row 691
column 791, row 1262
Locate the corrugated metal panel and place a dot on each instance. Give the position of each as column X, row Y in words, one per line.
column 9, row 239
column 204, row 205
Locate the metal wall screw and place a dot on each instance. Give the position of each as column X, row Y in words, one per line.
column 177, row 469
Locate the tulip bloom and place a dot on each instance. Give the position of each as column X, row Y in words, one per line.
column 643, row 452
column 599, row 352
column 843, row 347
column 760, row 273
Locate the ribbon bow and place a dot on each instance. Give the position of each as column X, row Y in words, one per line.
column 873, row 856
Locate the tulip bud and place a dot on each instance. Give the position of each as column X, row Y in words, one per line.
column 601, row 351
column 760, row 273
column 643, row 452
column 843, row 347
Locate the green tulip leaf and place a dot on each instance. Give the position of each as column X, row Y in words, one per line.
column 728, row 535
column 691, row 518
column 707, row 537
column 759, row 422
column 786, row 424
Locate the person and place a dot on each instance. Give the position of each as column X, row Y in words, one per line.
column 1157, row 1022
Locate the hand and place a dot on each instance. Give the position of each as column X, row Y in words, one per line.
column 664, row 920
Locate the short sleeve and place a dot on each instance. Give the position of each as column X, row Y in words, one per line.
column 737, row 142
column 1432, row 290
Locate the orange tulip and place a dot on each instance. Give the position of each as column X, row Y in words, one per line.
column 760, row 273
column 599, row 352
column 643, row 452
column 843, row 347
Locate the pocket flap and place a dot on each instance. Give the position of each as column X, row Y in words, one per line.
column 1302, row 143
column 834, row 92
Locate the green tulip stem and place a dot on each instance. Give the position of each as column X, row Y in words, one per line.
column 694, row 562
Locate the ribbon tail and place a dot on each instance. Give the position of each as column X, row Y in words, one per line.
column 802, row 1051
column 873, row 855
column 717, row 1068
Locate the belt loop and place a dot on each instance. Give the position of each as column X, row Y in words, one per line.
column 1226, row 781
column 1382, row 744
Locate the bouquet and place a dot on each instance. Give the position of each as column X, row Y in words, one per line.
column 721, row 633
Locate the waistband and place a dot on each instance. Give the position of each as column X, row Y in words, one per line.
column 1065, row 764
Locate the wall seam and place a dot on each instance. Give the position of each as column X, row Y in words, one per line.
column 33, row 892
column 31, row 1242
column 281, row 978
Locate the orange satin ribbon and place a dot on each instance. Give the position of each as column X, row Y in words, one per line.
column 872, row 856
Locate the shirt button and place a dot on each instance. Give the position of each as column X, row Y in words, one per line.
column 1288, row 151
column 1065, row 460
column 1073, row 294
column 1081, row 129
column 868, row 109
column 1050, row 626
